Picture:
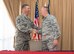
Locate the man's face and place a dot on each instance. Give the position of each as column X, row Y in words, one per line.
column 43, row 11
column 26, row 9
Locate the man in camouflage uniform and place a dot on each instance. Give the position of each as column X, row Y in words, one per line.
column 24, row 27
column 50, row 31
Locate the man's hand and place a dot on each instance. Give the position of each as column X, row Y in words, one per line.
column 34, row 31
column 55, row 42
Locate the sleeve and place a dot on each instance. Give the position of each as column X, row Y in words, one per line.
column 34, row 26
column 39, row 30
column 21, row 24
column 55, row 28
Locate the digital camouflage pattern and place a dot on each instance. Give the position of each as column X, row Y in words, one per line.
column 50, row 31
column 23, row 29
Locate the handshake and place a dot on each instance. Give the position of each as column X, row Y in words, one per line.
column 35, row 31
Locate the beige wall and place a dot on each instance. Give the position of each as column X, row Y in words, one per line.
column 63, row 10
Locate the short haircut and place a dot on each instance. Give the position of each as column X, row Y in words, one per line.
column 24, row 5
column 46, row 7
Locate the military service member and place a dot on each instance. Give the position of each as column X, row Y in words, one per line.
column 50, row 31
column 24, row 27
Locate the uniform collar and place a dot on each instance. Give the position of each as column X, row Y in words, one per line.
column 45, row 17
column 24, row 15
